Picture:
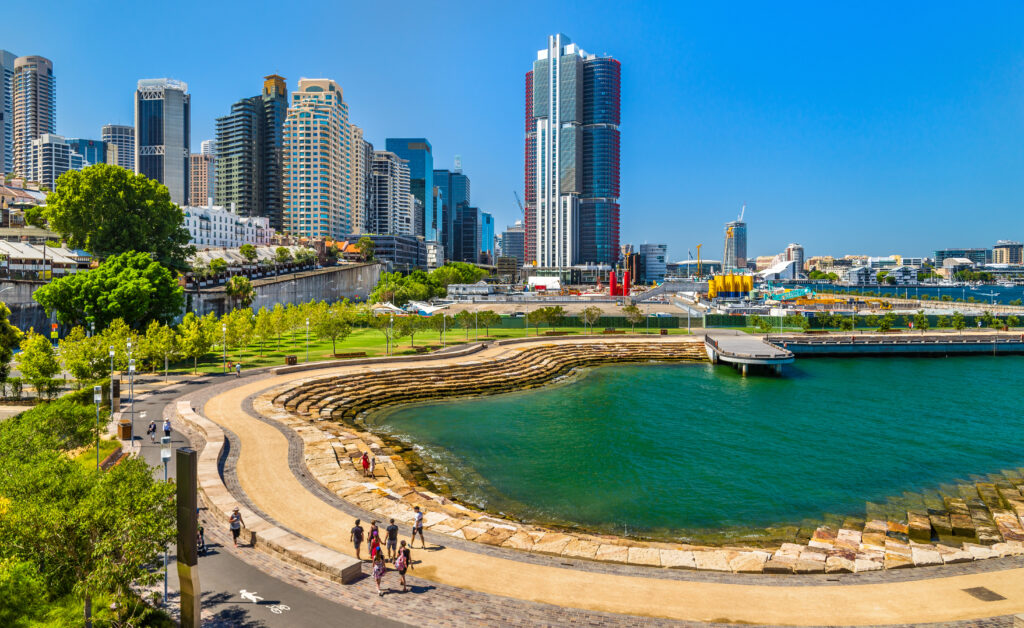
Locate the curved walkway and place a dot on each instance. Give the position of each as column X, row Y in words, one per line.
column 272, row 484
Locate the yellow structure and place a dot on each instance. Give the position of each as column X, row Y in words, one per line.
column 730, row 285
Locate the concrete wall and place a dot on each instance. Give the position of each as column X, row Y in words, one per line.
column 324, row 284
column 25, row 312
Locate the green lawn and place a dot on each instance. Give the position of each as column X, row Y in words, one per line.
column 88, row 457
column 369, row 341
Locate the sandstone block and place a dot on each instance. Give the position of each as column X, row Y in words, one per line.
column 749, row 562
column 862, row 564
column 839, row 564
column 644, row 556
column 924, row 556
column 612, row 553
column 580, row 548
column 677, row 559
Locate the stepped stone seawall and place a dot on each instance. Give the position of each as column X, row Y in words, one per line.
column 902, row 344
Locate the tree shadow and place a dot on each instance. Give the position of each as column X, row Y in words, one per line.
column 233, row 617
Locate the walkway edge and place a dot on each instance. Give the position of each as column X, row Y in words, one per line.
column 259, row 533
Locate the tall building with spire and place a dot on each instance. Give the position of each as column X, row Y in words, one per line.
column 163, row 116
column 317, row 142
column 34, row 103
column 571, row 156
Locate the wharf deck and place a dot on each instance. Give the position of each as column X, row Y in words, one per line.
column 884, row 344
column 744, row 351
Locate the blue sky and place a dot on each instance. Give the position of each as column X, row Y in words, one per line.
column 848, row 127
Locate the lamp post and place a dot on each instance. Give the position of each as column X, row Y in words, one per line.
column 165, row 456
column 307, row 340
column 97, row 396
column 131, row 393
column 224, row 345
column 112, row 382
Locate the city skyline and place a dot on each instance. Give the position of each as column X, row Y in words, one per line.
column 907, row 144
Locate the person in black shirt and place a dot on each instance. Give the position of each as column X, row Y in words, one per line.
column 392, row 540
column 357, row 538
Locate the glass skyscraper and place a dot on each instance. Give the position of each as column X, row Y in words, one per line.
column 572, row 156
column 123, row 137
column 417, row 151
column 454, row 190
column 162, row 124
column 735, row 255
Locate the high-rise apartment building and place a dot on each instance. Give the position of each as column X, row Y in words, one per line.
column 163, row 134
column 392, row 211
column 249, row 154
column 34, row 99
column 572, row 156
column 795, row 252
column 317, row 162
column 735, row 256
column 51, row 156
column 417, row 152
column 200, row 178
column 123, row 137
column 363, row 192
column 1008, row 252
column 486, row 238
column 6, row 111
column 208, row 147
column 513, row 242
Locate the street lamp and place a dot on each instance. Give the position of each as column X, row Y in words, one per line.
column 224, row 345
column 165, row 455
column 131, row 393
column 97, row 396
column 307, row 340
column 112, row 381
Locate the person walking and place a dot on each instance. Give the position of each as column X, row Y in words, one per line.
column 379, row 568
column 357, row 538
column 403, row 563
column 365, row 462
column 391, row 540
column 167, row 428
column 373, row 465
column 235, row 523
column 151, row 430
column 417, row 528
column 238, row 369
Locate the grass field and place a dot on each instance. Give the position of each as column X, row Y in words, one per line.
column 88, row 457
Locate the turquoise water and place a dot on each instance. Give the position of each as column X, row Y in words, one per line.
column 667, row 448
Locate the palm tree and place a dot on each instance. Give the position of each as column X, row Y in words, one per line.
column 239, row 289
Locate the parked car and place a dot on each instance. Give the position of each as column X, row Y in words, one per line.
column 517, row 314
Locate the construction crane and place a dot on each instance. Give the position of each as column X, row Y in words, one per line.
column 698, row 260
column 519, row 202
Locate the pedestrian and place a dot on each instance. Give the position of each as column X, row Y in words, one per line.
column 373, row 465
column 151, row 430
column 236, row 523
column 366, row 463
column 404, row 563
column 374, row 531
column 167, row 428
column 201, row 541
column 375, row 547
column 357, row 538
column 391, row 540
column 417, row 527
column 238, row 369
column 379, row 568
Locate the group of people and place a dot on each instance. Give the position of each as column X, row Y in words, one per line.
column 398, row 553
column 151, row 430
column 369, row 464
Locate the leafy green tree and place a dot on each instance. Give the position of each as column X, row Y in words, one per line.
column 248, row 251
column 196, row 337
column 959, row 322
column 239, row 289
column 218, row 266
column 23, row 591
column 160, row 344
column 108, row 211
column 333, row 324
column 38, row 361
column 489, row 318
column 633, row 315
column 455, row 272
column 846, row 323
column 943, row 322
column 537, row 317
column 85, row 357
column 1012, row 321
column 555, row 316
column 410, row 326
column 385, row 324
column 1016, row 302
column 365, row 246
column 240, row 330
column 589, row 316
column 282, row 255
column 921, row 321
column 886, row 322
column 10, row 336
column 130, row 286
column 441, row 323
column 279, row 320
column 264, row 326
column 400, row 289
column 466, row 320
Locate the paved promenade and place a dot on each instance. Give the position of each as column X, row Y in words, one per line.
column 273, row 482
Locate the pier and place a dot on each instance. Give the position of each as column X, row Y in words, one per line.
column 937, row 345
column 744, row 351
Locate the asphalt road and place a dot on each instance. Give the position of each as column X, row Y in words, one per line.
column 222, row 576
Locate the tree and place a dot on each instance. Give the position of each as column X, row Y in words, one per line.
column 239, row 289
column 489, row 318
column 218, row 266
column 196, row 337
column 282, row 255
column 264, row 326
column 410, row 326
column 846, row 323
column 108, row 211
column 38, row 362
column 942, row 322
column 921, row 321
column 279, row 322
column 441, row 323
column 333, row 324
column 555, row 316
column 365, row 247
column 9, row 338
column 159, row 344
column 85, row 357
column 248, row 251
column 400, row 289
column 22, row 590
column 240, row 326
column 455, row 272
column 633, row 315
column 130, row 286
column 959, row 322
column 385, row 324
column 1012, row 321
column 886, row 322
column 465, row 319
column 590, row 315
column 537, row 318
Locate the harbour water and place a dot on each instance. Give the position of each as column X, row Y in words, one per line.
column 665, row 450
column 1001, row 295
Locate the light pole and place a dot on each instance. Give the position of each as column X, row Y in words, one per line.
column 112, row 382
column 97, row 396
column 131, row 393
column 224, row 345
column 307, row 340
column 165, row 456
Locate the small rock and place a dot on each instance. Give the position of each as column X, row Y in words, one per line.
column 839, row 564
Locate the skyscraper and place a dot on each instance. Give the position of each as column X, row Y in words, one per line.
column 49, row 157
column 163, row 134
column 513, row 242
column 208, row 147
column 486, row 238
column 317, row 162
column 572, row 156
column 200, row 177
column 467, row 228
column 34, row 94
column 735, row 256
column 392, row 211
column 249, row 154
column 6, row 112
column 417, row 151
column 362, row 181
column 93, row 151
column 123, row 137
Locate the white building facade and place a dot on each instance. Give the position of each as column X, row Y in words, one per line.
column 51, row 156
column 214, row 226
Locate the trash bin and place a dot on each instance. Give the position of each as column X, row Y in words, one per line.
column 291, row 360
column 124, row 429
column 664, row 332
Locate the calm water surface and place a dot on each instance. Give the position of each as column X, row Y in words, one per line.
column 650, row 448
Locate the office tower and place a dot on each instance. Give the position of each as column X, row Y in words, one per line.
column 34, row 98
column 123, row 137
column 572, row 156
column 454, row 192
column 201, row 183
column 317, row 158
column 652, row 260
column 735, row 256
column 163, row 134
column 249, row 154
column 513, row 242
column 93, row 151
column 208, row 147
column 486, row 238
column 362, row 180
column 417, row 151
column 49, row 157
column 6, row 112
column 392, row 211
column 467, row 229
